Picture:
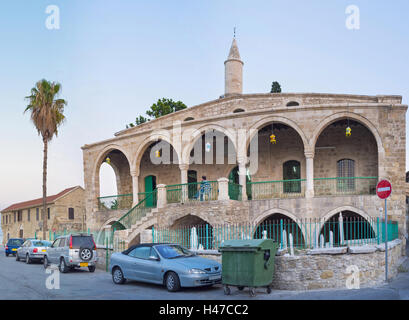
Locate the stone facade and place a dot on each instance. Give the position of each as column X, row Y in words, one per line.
column 311, row 130
column 306, row 272
column 30, row 224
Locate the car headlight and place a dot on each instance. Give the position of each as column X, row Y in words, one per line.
column 196, row 271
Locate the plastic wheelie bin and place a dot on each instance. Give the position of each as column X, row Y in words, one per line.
column 248, row 263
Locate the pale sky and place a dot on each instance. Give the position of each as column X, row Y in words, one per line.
column 115, row 58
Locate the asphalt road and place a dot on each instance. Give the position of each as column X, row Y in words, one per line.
column 21, row 281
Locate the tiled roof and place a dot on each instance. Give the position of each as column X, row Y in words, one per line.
column 36, row 202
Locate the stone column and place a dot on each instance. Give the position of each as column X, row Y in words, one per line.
column 135, row 188
column 243, row 180
column 223, row 189
column 309, row 156
column 183, row 180
column 162, row 201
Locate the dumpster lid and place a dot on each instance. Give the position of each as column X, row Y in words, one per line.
column 260, row 244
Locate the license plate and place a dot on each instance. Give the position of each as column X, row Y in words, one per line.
column 44, row 250
column 214, row 278
column 84, row 264
column 13, row 249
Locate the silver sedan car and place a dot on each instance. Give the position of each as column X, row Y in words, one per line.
column 32, row 250
column 166, row 264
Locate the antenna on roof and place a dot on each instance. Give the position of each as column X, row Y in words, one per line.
column 234, row 33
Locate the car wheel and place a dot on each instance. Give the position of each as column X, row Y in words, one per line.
column 172, row 282
column 45, row 262
column 17, row 257
column 118, row 276
column 63, row 267
column 28, row 260
column 91, row 268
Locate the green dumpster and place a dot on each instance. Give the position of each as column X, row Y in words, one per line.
column 248, row 263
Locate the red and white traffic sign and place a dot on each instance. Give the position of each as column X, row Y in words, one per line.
column 384, row 189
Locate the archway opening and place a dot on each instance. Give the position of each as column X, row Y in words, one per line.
column 352, row 229
column 345, row 164
column 278, row 227
column 159, row 164
column 114, row 182
column 213, row 155
column 191, row 232
column 274, row 153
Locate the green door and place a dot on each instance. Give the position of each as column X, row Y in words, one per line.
column 192, row 183
column 150, row 185
column 234, row 178
column 292, row 171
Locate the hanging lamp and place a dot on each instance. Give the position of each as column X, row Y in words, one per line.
column 273, row 139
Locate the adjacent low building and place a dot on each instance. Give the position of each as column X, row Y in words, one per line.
column 66, row 211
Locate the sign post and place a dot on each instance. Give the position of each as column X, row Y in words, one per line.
column 384, row 190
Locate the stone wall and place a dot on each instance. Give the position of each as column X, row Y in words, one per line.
column 310, row 272
column 307, row 272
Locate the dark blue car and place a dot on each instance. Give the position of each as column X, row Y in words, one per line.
column 12, row 246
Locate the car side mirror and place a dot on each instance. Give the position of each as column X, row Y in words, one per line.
column 154, row 258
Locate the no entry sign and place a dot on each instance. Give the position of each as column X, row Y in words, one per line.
column 384, row 189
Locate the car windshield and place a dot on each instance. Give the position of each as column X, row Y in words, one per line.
column 79, row 242
column 173, row 251
column 15, row 242
column 41, row 243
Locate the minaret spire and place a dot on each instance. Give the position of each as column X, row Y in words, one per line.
column 233, row 70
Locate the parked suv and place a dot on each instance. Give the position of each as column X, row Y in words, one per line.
column 12, row 246
column 72, row 251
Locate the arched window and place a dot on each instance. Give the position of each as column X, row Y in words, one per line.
column 239, row 110
column 292, row 171
column 345, row 174
column 293, row 104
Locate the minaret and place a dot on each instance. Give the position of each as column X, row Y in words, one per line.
column 233, row 73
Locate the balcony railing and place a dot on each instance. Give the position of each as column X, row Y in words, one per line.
column 276, row 189
column 118, row 202
column 197, row 191
column 345, row 186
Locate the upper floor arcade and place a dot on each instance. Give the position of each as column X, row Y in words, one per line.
column 311, row 156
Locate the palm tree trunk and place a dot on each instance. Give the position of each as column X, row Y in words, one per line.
column 45, row 228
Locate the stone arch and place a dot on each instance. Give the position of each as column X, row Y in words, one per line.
column 255, row 127
column 333, row 212
column 181, row 228
column 357, row 226
column 197, row 134
column 292, row 225
column 270, row 212
column 162, row 135
column 346, row 115
column 97, row 166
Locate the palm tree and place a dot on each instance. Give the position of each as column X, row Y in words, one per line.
column 47, row 114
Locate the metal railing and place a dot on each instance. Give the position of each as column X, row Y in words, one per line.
column 345, row 186
column 117, row 202
column 188, row 192
column 306, row 233
column 276, row 189
column 137, row 212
